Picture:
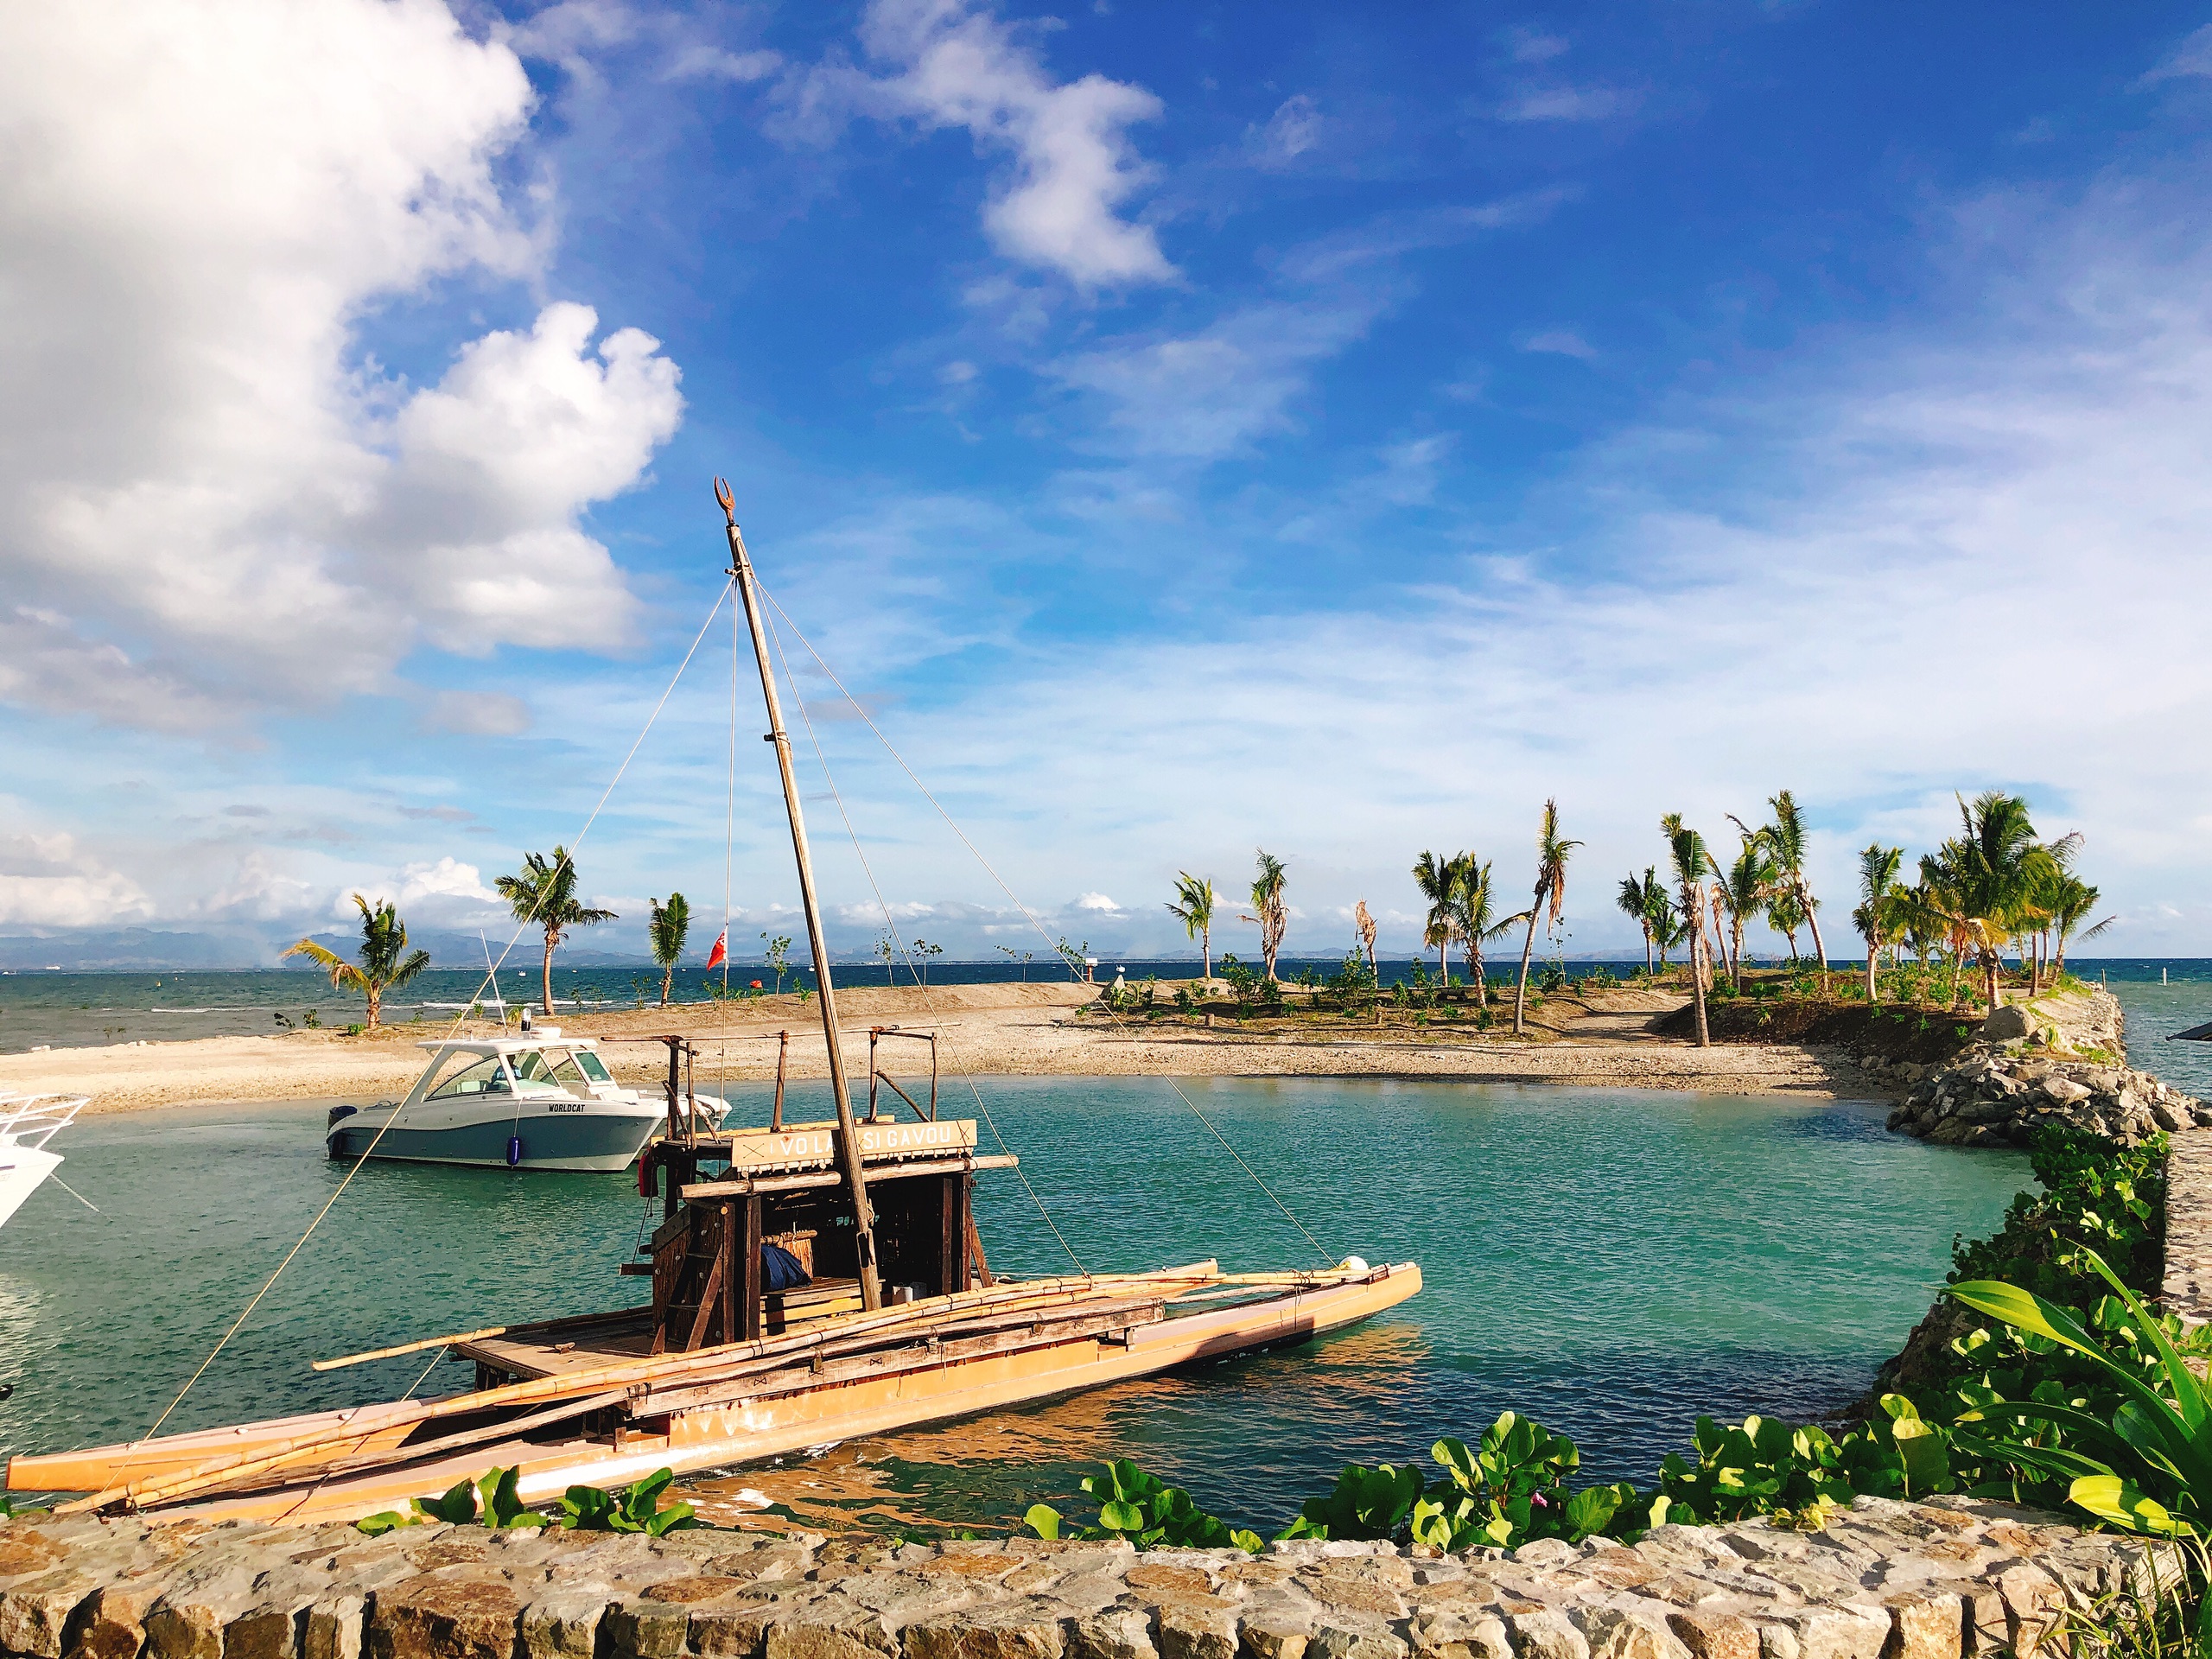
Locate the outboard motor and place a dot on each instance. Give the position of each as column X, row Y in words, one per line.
column 338, row 1114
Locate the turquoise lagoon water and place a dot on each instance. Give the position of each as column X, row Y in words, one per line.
column 1613, row 1261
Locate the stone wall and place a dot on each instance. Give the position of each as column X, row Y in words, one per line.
column 1883, row 1581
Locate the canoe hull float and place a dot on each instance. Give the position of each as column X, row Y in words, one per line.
column 943, row 1358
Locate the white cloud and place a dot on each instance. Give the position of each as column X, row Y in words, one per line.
column 2191, row 59
column 1205, row 395
column 1293, row 129
column 1566, row 104
column 1058, row 206
column 477, row 713
column 1096, row 901
column 1561, row 342
column 720, row 63
column 49, row 881
column 446, row 878
column 205, row 502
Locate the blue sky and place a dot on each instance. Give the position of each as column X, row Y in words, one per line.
column 1184, row 428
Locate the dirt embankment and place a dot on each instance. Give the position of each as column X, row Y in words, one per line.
column 1906, row 1033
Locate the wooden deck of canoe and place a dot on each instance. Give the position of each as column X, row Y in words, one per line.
column 579, row 1401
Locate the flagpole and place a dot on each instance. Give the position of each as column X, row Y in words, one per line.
column 848, row 1140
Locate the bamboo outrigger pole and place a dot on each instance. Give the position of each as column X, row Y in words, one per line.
column 848, row 1142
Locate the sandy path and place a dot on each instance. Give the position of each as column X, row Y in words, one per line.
column 1005, row 1030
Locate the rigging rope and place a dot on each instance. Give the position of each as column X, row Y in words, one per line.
column 892, row 927
column 799, row 634
column 491, row 975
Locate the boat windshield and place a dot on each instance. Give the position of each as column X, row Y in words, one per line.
column 590, row 1066
column 485, row 1077
column 555, row 1068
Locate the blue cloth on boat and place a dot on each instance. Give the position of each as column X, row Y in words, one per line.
column 780, row 1269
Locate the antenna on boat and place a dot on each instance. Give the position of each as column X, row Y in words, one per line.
column 848, row 1144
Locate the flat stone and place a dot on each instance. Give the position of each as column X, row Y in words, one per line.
column 1545, row 1634
column 1926, row 1627
column 1120, row 1633
column 1193, row 1630
column 334, row 1628
column 1332, row 1642
column 434, row 1618
column 1453, row 1636
column 36, row 1612
column 1019, row 1637
column 1715, row 1636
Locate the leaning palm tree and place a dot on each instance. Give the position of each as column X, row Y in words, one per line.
column 668, row 927
column 1552, row 851
column 1635, row 900
column 1686, row 850
column 545, row 893
column 383, row 966
column 1877, row 915
column 1787, row 843
column 1475, row 920
column 1274, row 919
column 1362, row 920
column 1439, row 880
column 1193, row 907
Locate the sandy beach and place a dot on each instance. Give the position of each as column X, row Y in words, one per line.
column 1031, row 1030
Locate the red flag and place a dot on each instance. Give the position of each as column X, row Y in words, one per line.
column 719, row 954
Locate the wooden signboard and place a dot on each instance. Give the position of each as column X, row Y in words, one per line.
column 803, row 1146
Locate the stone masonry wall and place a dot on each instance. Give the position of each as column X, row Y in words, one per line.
column 1883, row 1581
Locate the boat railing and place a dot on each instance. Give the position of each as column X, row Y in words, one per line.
column 33, row 1120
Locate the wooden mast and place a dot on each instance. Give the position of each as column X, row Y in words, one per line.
column 848, row 1143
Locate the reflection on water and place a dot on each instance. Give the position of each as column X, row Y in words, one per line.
column 1610, row 1261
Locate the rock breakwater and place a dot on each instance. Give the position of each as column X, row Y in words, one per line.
column 2058, row 1060
column 1881, row 1580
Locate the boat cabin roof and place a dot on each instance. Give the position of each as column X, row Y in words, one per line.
column 545, row 1037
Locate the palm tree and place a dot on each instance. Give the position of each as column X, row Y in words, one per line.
column 2074, row 900
column 1687, row 850
column 1666, row 925
column 1984, row 885
column 545, row 893
column 1551, row 851
column 1785, row 916
column 383, row 966
column 1274, row 919
column 1635, row 900
column 1194, row 908
column 1438, row 881
column 1743, row 889
column 1365, row 923
column 668, row 928
column 1877, row 916
column 1474, row 920
column 1785, row 839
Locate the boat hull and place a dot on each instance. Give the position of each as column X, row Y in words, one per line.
column 769, row 1424
column 581, row 1140
column 21, row 1170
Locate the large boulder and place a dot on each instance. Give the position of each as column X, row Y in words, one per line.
column 2008, row 1024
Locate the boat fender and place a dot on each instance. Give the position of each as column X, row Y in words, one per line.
column 646, row 1185
column 514, row 1150
column 1354, row 1264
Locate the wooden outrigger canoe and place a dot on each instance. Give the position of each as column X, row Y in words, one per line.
column 610, row 1420
column 811, row 1282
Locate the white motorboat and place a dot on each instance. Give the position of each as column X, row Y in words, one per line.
column 539, row 1101
column 27, row 1123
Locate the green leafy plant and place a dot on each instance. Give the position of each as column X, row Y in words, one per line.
column 583, row 1509
column 1145, row 1511
column 1364, row 1503
column 592, row 1509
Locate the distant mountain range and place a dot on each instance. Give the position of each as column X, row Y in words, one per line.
column 153, row 949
